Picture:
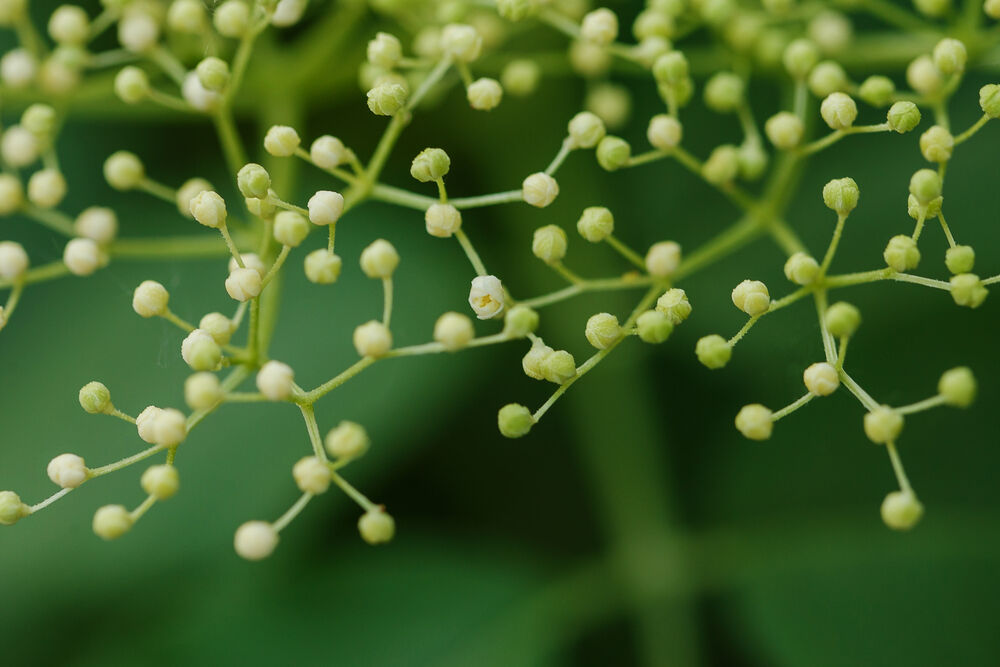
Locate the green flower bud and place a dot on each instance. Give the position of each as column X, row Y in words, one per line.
column 599, row 26
column 751, row 296
column 520, row 77
column 675, row 305
column 663, row 258
column 950, row 56
column 928, row 211
column 713, row 351
column 968, row 290
column 603, row 330
column 291, row 228
column 347, row 441
column 842, row 319
column 95, row 398
column 841, row 195
column 958, row 387
column 755, row 422
column 936, row 144
column 877, row 90
column 516, row 10
column 111, row 522
column 160, row 481
column 430, row 165
column 989, row 100
column 376, row 526
column 200, row 351
column 514, row 420
column 753, row 160
column 253, row 181
column 664, row 132
column 559, row 366
column 549, row 244
column 613, row 153
column 821, row 379
column 651, row 23
column 387, row 98
column 322, row 267
column 586, row 129
column 131, row 85
column 202, row 391
column 883, row 425
column 724, row 92
column 671, row 68
column 901, row 253
column 531, row 363
column 520, row 321
column 925, row 185
column 654, row 327
column 595, row 224
column 826, row 78
column 213, row 73
column 839, row 111
column 923, row 76
column 901, row 510
column 40, row 120
column 484, row 94
column 722, row 165
column 960, row 259
column 800, row 56
column 933, row 8
column 785, row 130
column 123, row 170
column 992, row 8
column 12, row 509
column 801, row 268
column 903, row 117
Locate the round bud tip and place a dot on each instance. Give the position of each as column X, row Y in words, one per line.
column 514, row 420
column 755, row 422
column 713, row 351
column 255, row 540
column 111, row 522
column 958, row 387
column 901, row 510
column 95, row 398
column 883, row 425
column 376, row 526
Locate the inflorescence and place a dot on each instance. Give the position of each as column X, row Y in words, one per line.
column 261, row 234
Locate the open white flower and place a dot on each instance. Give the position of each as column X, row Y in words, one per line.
column 486, row 297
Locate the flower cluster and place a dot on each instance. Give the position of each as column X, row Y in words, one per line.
column 260, row 231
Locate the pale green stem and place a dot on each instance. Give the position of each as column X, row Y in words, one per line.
column 862, row 395
column 897, row 467
column 972, row 130
column 920, row 406
column 471, row 253
column 789, row 409
column 626, row 252
column 292, row 512
column 387, row 301
column 564, row 151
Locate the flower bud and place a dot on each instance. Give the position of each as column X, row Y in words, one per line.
column 755, row 422
column 713, row 351
column 827, row 77
column 95, row 398
column 595, row 224
column 430, row 165
column 968, row 290
column 539, row 190
column 442, row 220
column 722, row 165
column 799, row 57
column 520, row 321
column 989, row 100
column 311, row 475
column 379, row 260
column 461, row 42
column 276, row 381
column 67, row 471
column 347, row 441
column 19, row 147
column 925, row 185
column 663, row 258
column 186, row 16
column 821, row 379
column 801, row 269
column 69, row 25
column 724, row 92
column 213, row 74
column 927, row 211
column 653, row 327
column 281, row 141
column 933, row 8
column 936, row 144
column 883, row 425
column 599, row 26
column 549, row 244
column 251, row 261
column 290, row 228
column 82, row 257
column 517, row 10
column 144, row 423
column 255, row 540
column 842, row 319
column 532, row 362
column 839, row 111
column 328, row 152
column 138, row 31
column 11, row 194
column 785, row 130
column 160, row 481
column 46, row 188
column 454, row 331
column 169, row 428
column 244, row 284
column 671, row 68
column 322, row 267
column 901, row 253
column 12, row 509
column 603, row 330
column 877, row 90
column 675, row 305
column 486, row 296
column 484, row 94
column 13, row 260
column 586, row 130
column 950, row 56
column 558, row 366
column 664, row 132
column 841, row 195
column 18, row 68
column 98, row 224
column 232, row 18
column 200, row 351
column 253, row 181
column 111, row 522
column 960, row 259
column 376, row 526
column 387, row 98
column 209, row 209
column 202, row 391
column 123, row 170
column 40, row 121
column 901, row 510
column 924, row 77
column 613, row 153
column 514, row 420
column 372, row 339
column 385, row 50
column 992, row 8
column 751, row 297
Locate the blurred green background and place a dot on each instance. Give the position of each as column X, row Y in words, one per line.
column 633, row 526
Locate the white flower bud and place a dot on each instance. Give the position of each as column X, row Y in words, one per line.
column 200, row 351
column 232, row 18
column 150, row 299
column 13, row 260
column 12, row 509
column 213, row 74
column 486, row 297
column 596, row 223
column 325, row 207
column 197, row 95
column 430, row 164
column 600, row 26
column 244, row 284
column 372, row 339
column 290, row 228
column 454, row 331
column 275, row 380
column 254, row 540
column 877, row 90
column 97, row 223
column 827, row 77
column 251, row 261
column 558, row 367
column 209, row 209
column 754, row 422
column 218, row 326
column 138, row 31
column 68, row 471
column 379, row 260
column 549, row 244
column 328, row 152
column 376, row 527
column 663, row 258
column 186, row 16
column 589, row 59
column 936, row 145
column 347, row 441
column 311, row 475
column 785, row 130
column 46, row 188
column 724, row 92
column 586, row 130
column 799, row 57
column 387, row 98
column 950, row 56
column 839, row 111
column 613, row 153
column 82, row 257
column 901, row 510
column 288, row 12
column 190, row 189
column 322, row 267
column 281, row 141
column 461, row 42
column 19, row 147
column 442, row 220
column 801, row 268
column 923, row 76
column 69, row 25
column 145, row 421
column 385, row 50
column 123, row 170
column 111, row 522
column 533, row 360
column 539, row 190
column 18, row 68
column 484, row 94
column 169, row 428
column 160, row 481
column 11, row 194
column 722, row 165
column 821, row 379
column 202, row 391
column 603, row 330
column 883, row 425
column 751, row 297
column 664, row 132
